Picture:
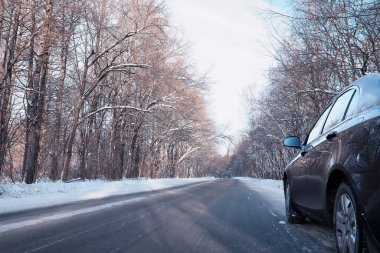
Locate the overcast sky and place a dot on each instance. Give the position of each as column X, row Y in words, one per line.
column 229, row 40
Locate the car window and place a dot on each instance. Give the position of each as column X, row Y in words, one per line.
column 370, row 91
column 353, row 108
column 338, row 110
column 314, row 133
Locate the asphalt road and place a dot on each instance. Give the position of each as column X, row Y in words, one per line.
column 217, row 216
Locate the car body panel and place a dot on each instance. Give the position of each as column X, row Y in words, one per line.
column 317, row 157
column 354, row 152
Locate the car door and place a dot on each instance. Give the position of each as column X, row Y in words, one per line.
column 299, row 167
column 322, row 154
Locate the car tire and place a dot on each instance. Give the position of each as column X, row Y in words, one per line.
column 292, row 215
column 347, row 227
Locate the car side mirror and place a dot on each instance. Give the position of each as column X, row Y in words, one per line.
column 292, row 142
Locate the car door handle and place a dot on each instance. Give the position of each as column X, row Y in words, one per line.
column 306, row 149
column 331, row 136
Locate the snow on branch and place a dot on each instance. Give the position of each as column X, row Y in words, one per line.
column 105, row 51
column 312, row 91
column 109, row 69
column 187, row 153
column 120, row 107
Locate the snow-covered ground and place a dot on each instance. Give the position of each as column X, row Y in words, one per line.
column 271, row 190
column 269, row 184
column 20, row 196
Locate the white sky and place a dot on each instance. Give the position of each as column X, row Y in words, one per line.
column 229, row 40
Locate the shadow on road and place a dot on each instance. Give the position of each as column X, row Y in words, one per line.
column 228, row 217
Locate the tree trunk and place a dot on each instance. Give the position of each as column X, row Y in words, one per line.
column 36, row 99
column 6, row 88
column 2, row 7
column 76, row 113
column 82, row 152
column 59, row 105
column 29, row 92
column 120, row 148
column 70, row 143
column 133, row 171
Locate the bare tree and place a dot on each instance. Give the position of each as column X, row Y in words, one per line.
column 97, row 89
column 329, row 45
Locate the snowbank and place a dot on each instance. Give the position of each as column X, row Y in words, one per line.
column 20, row 196
column 272, row 190
column 264, row 184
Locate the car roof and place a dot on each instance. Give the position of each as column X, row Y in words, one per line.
column 369, row 87
column 363, row 82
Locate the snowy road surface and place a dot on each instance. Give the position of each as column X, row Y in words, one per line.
column 226, row 215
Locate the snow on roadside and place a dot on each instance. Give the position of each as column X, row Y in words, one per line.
column 272, row 190
column 263, row 183
column 20, row 196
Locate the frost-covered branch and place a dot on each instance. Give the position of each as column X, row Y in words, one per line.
column 120, row 107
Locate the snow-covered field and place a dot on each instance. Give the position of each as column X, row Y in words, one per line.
column 20, row 196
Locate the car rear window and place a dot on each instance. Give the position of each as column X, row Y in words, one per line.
column 369, row 93
column 338, row 110
column 353, row 108
column 370, row 98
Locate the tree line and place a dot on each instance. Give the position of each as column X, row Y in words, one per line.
column 98, row 89
column 328, row 45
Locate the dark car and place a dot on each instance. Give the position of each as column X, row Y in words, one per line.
column 335, row 179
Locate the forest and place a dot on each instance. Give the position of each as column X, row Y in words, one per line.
column 98, row 89
column 328, row 44
column 105, row 89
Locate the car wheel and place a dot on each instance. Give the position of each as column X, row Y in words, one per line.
column 292, row 215
column 346, row 221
